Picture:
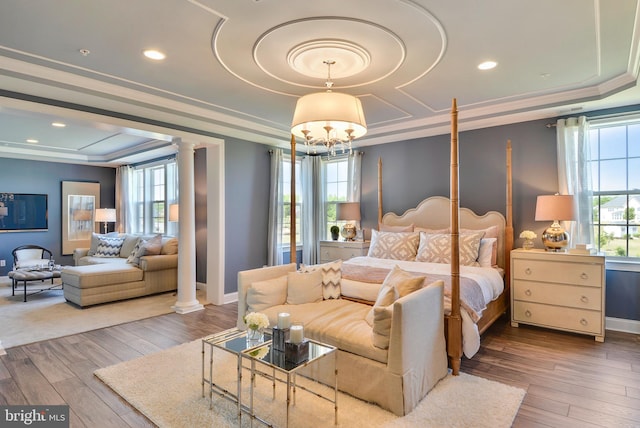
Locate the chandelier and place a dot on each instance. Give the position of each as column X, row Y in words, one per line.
column 329, row 119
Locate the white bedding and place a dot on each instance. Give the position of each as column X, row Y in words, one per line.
column 489, row 279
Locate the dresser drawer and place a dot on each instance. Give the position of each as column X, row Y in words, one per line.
column 558, row 294
column 578, row 320
column 558, row 272
column 328, row 254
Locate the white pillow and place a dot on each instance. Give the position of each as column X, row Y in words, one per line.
column 381, row 332
column 304, row 287
column 262, row 295
column 485, row 254
column 331, row 275
column 436, row 248
column 394, row 245
column 398, row 283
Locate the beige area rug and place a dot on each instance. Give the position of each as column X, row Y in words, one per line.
column 47, row 315
column 166, row 387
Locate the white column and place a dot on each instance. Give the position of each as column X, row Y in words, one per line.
column 187, row 301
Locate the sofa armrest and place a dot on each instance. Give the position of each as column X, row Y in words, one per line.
column 247, row 277
column 79, row 253
column 159, row 262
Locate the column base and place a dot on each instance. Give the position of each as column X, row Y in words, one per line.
column 187, row 307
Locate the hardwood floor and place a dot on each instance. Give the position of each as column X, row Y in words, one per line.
column 571, row 380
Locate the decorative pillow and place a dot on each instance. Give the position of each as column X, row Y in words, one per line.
column 388, row 228
column 304, row 287
column 265, row 294
column 381, row 333
column 151, row 247
column 398, row 283
column 485, row 253
column 95, row 240
column 170, row 247
column 109, row 247
column 394, row 245
column 128, row 245
column 331, row 275
column 489, row 232
column 436, row 248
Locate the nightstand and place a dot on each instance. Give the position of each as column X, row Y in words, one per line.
column 558, row 290
column 344, row 250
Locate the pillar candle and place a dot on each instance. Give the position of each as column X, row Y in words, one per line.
column 284, row 320
column 296, row 333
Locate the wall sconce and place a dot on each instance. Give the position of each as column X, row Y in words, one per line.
column 105, row 215
column 555, row 208
column 173, row 212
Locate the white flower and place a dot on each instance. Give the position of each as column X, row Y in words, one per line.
column 256, row 320
column 260, row 353
column 528, row 234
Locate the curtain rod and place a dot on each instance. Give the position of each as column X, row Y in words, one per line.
column 603, row 116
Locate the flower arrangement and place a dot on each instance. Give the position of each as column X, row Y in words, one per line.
column 256, row 320
column 528, row 234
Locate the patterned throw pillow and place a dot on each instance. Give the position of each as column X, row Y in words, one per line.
column 151, row 247
column 109, row 247
column 331, row 276
column 394, row 245
column 436, row 248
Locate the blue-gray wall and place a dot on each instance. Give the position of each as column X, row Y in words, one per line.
column 24, row 176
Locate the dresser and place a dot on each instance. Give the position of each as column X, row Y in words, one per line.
column 558, row 290
column 344, row 250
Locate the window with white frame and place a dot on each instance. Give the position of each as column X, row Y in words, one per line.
column 615, row 169
column 336, row 176
column 155, row 186
column 286, row 198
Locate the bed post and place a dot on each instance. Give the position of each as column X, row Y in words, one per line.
column 454, row 328
column 292, row 226
column 508, row 232
column 379, row 191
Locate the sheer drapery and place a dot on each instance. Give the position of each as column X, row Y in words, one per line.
column 276, row 214
column 574, row 175
column 124, row 201
column 313, row 223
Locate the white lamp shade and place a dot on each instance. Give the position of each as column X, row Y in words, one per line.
column 348, row 211
column 105, row 215
column 173, row 212
column 554, row 207
column 339, row 111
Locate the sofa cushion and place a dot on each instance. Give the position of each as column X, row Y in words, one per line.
column 264, row 294
column 381, row 331
column 92, row 260
column 101, row 274
column 304, row 287
column 169, row 246
column 398, row 283
column 128, row 245
column 109, row 247
column 331, row 274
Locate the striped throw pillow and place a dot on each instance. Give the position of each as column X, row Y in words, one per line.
column 331, row 276
column 109, row 247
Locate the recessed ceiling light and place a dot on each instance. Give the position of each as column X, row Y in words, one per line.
column 487, row 65
column 58, row 124
column 154, row 54
column 32, row 141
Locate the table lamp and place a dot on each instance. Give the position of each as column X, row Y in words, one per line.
column 105, row 215
column 173, row 212
column 555, row 208
column 349, row 211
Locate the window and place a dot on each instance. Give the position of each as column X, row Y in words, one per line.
column 615, row 169
column 336, row 174
column 155, row 187
column 286, row 202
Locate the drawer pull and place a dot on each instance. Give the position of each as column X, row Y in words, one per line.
column 528, row 292
column 584, row 322
column 584, row 276
column 527, row 271
column 527, row 313
column 584, row 299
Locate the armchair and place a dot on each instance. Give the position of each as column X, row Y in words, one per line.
column 27, row 256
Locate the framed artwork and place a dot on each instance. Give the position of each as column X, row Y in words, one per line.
column 79, row 203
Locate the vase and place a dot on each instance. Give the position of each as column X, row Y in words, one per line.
column 255, row 335
column 527, row 244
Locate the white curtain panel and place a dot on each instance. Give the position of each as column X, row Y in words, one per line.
column 574, row 175
column 123, row 198
column 276, row 214
column 313, row 217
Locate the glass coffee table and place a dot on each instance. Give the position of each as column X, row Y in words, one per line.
column 266, row 362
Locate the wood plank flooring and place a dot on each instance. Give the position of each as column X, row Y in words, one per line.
column 571, row 380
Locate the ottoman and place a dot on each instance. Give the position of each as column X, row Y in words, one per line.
column 93, row 284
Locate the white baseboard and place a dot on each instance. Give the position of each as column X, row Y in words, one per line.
column 231, row 297
column 623, row 325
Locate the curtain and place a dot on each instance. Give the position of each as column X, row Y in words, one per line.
column 312, row 221
column 574, row 175
column 276, row 214
column 355, row 179
column 124, row 192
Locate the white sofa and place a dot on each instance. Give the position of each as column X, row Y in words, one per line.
column 96, row 280
column 397, row 378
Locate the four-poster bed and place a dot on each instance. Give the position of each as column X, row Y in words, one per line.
column 442, row 213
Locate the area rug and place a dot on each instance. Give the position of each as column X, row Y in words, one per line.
column 166, row 387
column 47, row 315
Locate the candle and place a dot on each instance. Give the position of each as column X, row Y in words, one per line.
column 284, row 320
column 296, row 333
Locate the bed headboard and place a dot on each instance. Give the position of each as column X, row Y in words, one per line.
column 435, row 212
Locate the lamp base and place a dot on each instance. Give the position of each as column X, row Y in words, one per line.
column 555, row 238
column 348, row 232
